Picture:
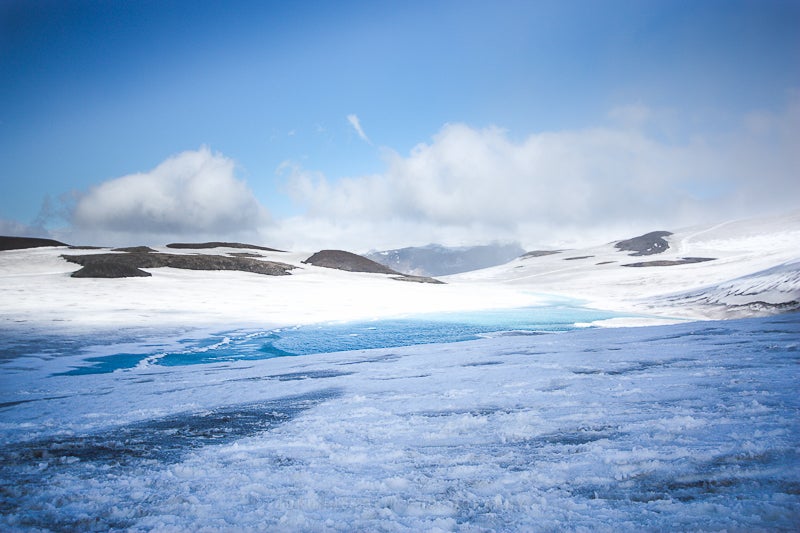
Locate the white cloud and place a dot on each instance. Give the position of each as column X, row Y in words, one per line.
column 192, row 194
column 353, row 120
column 570, row 187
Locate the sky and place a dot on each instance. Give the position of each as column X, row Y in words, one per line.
column 382, row 124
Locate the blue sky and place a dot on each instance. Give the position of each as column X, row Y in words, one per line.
column 480, row 120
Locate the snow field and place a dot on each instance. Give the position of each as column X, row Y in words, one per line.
column 684, row 427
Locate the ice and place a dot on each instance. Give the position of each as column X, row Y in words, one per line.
column 677, row 426
column 683, row 427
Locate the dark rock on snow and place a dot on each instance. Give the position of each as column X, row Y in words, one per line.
column 663, row 262
column 22, row 243
column 140, row 249
column 110, row 270
column 647, row 244
column 217, row 244
column 350, row 262
column 125, row 264
column 538, row 253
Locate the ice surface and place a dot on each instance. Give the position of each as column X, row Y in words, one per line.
column 684, row 427
column 690, row 426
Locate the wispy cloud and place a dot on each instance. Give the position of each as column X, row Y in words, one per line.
column 356, row 123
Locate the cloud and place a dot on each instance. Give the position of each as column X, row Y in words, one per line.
column 191, row 194
column 353, row 120
column 572, row 187
column 15, row 228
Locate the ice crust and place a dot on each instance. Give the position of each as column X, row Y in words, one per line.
column 682, row 427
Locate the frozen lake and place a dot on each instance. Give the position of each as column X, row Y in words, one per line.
column 115, row 351
column 693, row 426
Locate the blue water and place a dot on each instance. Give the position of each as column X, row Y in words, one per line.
column 336, row 337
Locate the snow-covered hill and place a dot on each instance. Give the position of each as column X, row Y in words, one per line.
column 36, row 288
column 726, row 270
column 748, row 267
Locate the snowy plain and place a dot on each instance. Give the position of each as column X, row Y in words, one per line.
column 690, row 426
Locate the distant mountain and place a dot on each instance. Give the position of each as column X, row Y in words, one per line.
column 438, row 260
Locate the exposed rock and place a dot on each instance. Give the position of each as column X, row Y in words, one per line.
column 350, row 262
column 347, row 261
column 539, row 253
column 110, row 270
column 216, row 244
column 244, row 254
column 419, row 279
column 648, row 244
column 22, row 243
column 140, row 249
column 663, row 262
column 118, row 262
column 576, row 258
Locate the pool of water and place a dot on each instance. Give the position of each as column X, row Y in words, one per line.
column 347, row 336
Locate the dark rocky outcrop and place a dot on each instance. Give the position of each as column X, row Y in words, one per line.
column 132, row 249
column 538, row 253
column 23, row 243
column 648, row 244
column 217, row 244
column 244, row 254
column 350, row 262
column 110, row 270
column 663, row 262
column 418, row 279
column 124, row 264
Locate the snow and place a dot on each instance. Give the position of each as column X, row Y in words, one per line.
column 742, row 251
column 685, row 427
column 35, row 286
column 677, row 426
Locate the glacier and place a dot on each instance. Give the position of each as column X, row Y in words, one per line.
column 326, row 400
column 691, row 426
